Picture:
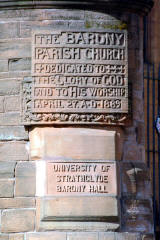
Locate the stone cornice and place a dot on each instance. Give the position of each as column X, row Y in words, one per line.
column 137, row 6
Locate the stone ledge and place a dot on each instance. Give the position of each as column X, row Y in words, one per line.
column 42, row 225
column 138, row 6
column 78, row 209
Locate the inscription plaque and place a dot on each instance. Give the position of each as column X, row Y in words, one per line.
column 77, row 77
column 81, row 179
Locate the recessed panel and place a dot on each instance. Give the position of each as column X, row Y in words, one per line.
column 80, row 179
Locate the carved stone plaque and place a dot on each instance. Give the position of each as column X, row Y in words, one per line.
column 80, row 179
column 77, row 77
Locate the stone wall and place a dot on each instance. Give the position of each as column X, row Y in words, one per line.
column 17, row 183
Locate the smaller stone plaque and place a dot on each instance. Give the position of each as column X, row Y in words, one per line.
column 78, row 178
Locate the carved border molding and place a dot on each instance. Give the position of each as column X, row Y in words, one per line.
column 138, row 6
column 29, row 118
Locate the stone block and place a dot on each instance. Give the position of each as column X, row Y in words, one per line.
column 9, row 30
column 77, row 226
column 6, row 203
column 132, row 207
column 9, row 87
column 128, row 236
column 22, row 13
column 51, row 24
column 140, row 133
column 99, row 16
column 12, row 104
column 25, row 186
column 1, row 104
column 27, row 27
column 107, row 236
column 79, row 208
column 13, row 133
column 76, row 24
column 42, row 226
column 7, row 169
column 19, row 220
column 15, row 74
column 19, row 48
column 6, row 188
column 133, row 152
column 82, row 236
column 132, row 53
column 137, row 215
column 3, row 65
column 16, row 236
column 10, row 119
column 138, row 108
column 46, row 236
column 60, row 14
column 98, row 24
column 25, row 169
column 136, row 180
column 72, row 143
column 134, row 75
column 25, row 183
column 138, row 223
column 20, row 64
column 4, row 237
column 13, row 151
